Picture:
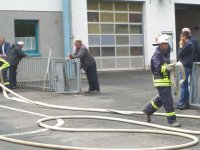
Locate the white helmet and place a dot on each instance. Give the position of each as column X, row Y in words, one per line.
column 164, row 38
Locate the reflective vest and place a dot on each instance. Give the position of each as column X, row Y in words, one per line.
column 165, row 81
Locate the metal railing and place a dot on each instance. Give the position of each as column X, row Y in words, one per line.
column 67, row 76
column 57, row 74
column 195, row 85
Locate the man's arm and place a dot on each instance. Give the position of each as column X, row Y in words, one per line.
column 81, row 53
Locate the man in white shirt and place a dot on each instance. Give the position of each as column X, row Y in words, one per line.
column 4, row 47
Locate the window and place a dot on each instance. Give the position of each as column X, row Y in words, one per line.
column 27, row 31
column 95, row 51
column 115, row 32
column 93, row 17
column 136, row 51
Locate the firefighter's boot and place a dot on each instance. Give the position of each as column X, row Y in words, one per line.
column 175, row 124
column 148, row 119
column 148, row 116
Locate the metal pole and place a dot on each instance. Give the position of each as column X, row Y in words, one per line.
column 67, row 26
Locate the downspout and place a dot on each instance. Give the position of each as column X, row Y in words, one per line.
column 67, row 27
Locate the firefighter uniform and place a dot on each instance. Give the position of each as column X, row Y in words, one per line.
column 4, row 65
column 161, row 80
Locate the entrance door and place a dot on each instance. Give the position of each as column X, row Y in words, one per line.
column 187, row 16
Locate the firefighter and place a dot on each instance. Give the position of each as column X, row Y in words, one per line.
column 161, row 80
column 4, row 67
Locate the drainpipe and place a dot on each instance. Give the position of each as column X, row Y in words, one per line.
column 67, row 27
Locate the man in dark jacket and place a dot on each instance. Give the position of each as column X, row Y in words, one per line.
column 195, row 43
column 161, row 79
column 88, row 64
column 186, row 54
column 14, row 56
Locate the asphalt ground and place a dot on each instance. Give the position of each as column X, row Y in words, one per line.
column 125, row 90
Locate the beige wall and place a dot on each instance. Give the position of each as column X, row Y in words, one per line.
column 50, row 29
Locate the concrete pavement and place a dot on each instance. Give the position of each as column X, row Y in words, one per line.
column 125, row 90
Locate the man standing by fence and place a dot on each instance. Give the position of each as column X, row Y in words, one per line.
column 186, row 55
column 14, row 56
column 88, row 64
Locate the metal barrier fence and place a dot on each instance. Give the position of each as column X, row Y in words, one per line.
column 67, row 76
column 195, row 85
column 31, row 72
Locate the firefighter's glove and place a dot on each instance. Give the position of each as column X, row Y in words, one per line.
column 170, row 67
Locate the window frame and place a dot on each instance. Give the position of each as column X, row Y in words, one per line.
column 35, row 52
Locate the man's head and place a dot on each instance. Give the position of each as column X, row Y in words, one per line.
column 186, row 29
column 185, row 35
column 21, row 44
column 163, row 41
column 78, row 43
column 2, row 40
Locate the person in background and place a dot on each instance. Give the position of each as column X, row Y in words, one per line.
column 161, row 79
column 4, row 47
column 186, row 54
column 195, row 43
column 88, row 64
column 4, row 65
column 14, row 56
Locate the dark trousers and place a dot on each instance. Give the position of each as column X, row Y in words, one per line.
column 12, row 75
column 164, row 98
column 92, row 78
column 5, row 76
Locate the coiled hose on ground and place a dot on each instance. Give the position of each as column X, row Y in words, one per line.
column 165, row 130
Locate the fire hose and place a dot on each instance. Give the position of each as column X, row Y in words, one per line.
column 168, row 130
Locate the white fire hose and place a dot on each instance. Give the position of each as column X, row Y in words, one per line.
column 169, row 130
column 177, row 75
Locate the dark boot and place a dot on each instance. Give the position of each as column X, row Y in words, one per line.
column 148, row 118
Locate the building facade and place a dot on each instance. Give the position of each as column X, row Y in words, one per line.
column 119, row 33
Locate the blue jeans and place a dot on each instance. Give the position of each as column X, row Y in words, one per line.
column 184, row 88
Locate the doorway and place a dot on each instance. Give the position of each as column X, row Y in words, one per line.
column 187, row 16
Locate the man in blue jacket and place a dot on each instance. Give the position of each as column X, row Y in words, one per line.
column 161, row 79
column 195, row 43
column 186, row 55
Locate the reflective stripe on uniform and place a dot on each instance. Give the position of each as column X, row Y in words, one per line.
column 162, row 82
column 5, row 64
column 171, row 114
column 6, row 83
column 154, row 105
column 163, row 68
